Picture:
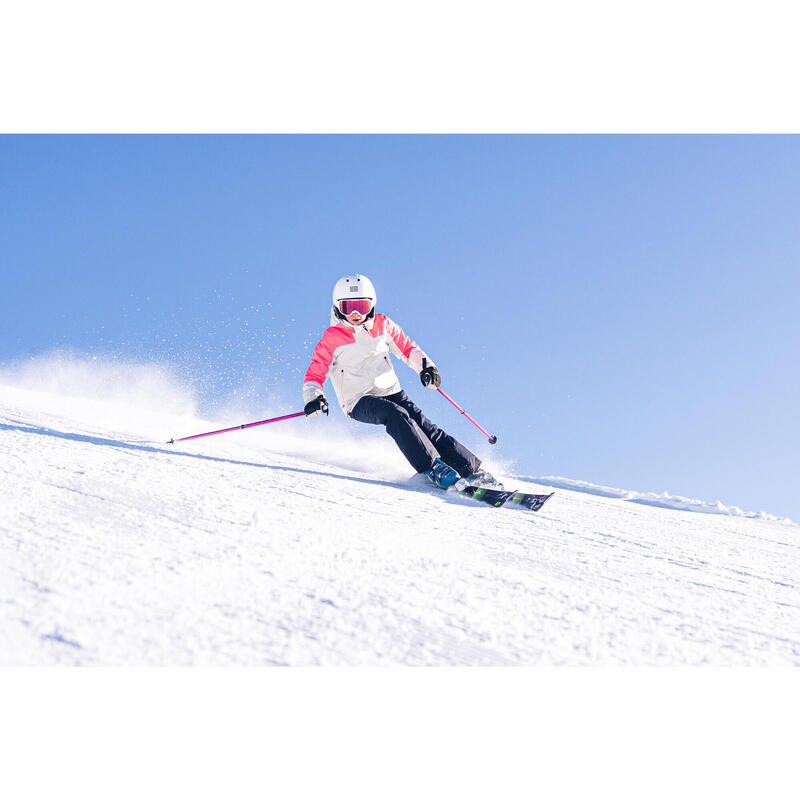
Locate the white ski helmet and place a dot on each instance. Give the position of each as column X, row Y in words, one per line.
column 354, row 287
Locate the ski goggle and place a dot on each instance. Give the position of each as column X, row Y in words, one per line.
column 362, row 306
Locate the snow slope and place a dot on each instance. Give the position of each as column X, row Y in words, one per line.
column 309, row 543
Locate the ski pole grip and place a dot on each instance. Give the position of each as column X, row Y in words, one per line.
column 425, row 376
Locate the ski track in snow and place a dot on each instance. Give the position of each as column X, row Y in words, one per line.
column 244, row 549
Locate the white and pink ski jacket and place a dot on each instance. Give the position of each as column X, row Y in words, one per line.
column 356, row 359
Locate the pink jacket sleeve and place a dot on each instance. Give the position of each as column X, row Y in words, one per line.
column 321, row 360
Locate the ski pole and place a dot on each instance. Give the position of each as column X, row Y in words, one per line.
column 492, row 439
column 239, row 427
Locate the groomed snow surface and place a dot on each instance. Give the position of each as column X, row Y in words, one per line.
column 310, row 543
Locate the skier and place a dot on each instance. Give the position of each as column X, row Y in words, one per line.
column 354, row 354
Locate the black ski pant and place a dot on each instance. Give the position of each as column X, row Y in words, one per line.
column 420, row 440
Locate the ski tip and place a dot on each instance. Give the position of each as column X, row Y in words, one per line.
column 493, row 440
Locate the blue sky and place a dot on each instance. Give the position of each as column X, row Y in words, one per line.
column 617, row 309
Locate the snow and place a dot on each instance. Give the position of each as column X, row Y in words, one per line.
column 663, row 500
column 310, row 542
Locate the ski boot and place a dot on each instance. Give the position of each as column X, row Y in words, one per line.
column 484, row 479
column 442, row 475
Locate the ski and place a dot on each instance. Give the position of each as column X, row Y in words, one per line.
column 500, row 497
column 494, row 497
column 533, row 502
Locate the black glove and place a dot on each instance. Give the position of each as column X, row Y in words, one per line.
column 319, row 405
column 430, row 376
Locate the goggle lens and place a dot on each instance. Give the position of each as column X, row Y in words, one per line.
column 348, row 307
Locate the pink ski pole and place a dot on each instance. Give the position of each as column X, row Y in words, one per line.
column 239, row 427
column 492, row 439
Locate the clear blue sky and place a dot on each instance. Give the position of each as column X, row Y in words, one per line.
column 617, row 309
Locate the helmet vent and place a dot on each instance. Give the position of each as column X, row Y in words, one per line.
column 354, row 288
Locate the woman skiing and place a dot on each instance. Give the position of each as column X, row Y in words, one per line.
column 354, row 354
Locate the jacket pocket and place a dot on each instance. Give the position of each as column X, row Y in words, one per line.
column 384, row 377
